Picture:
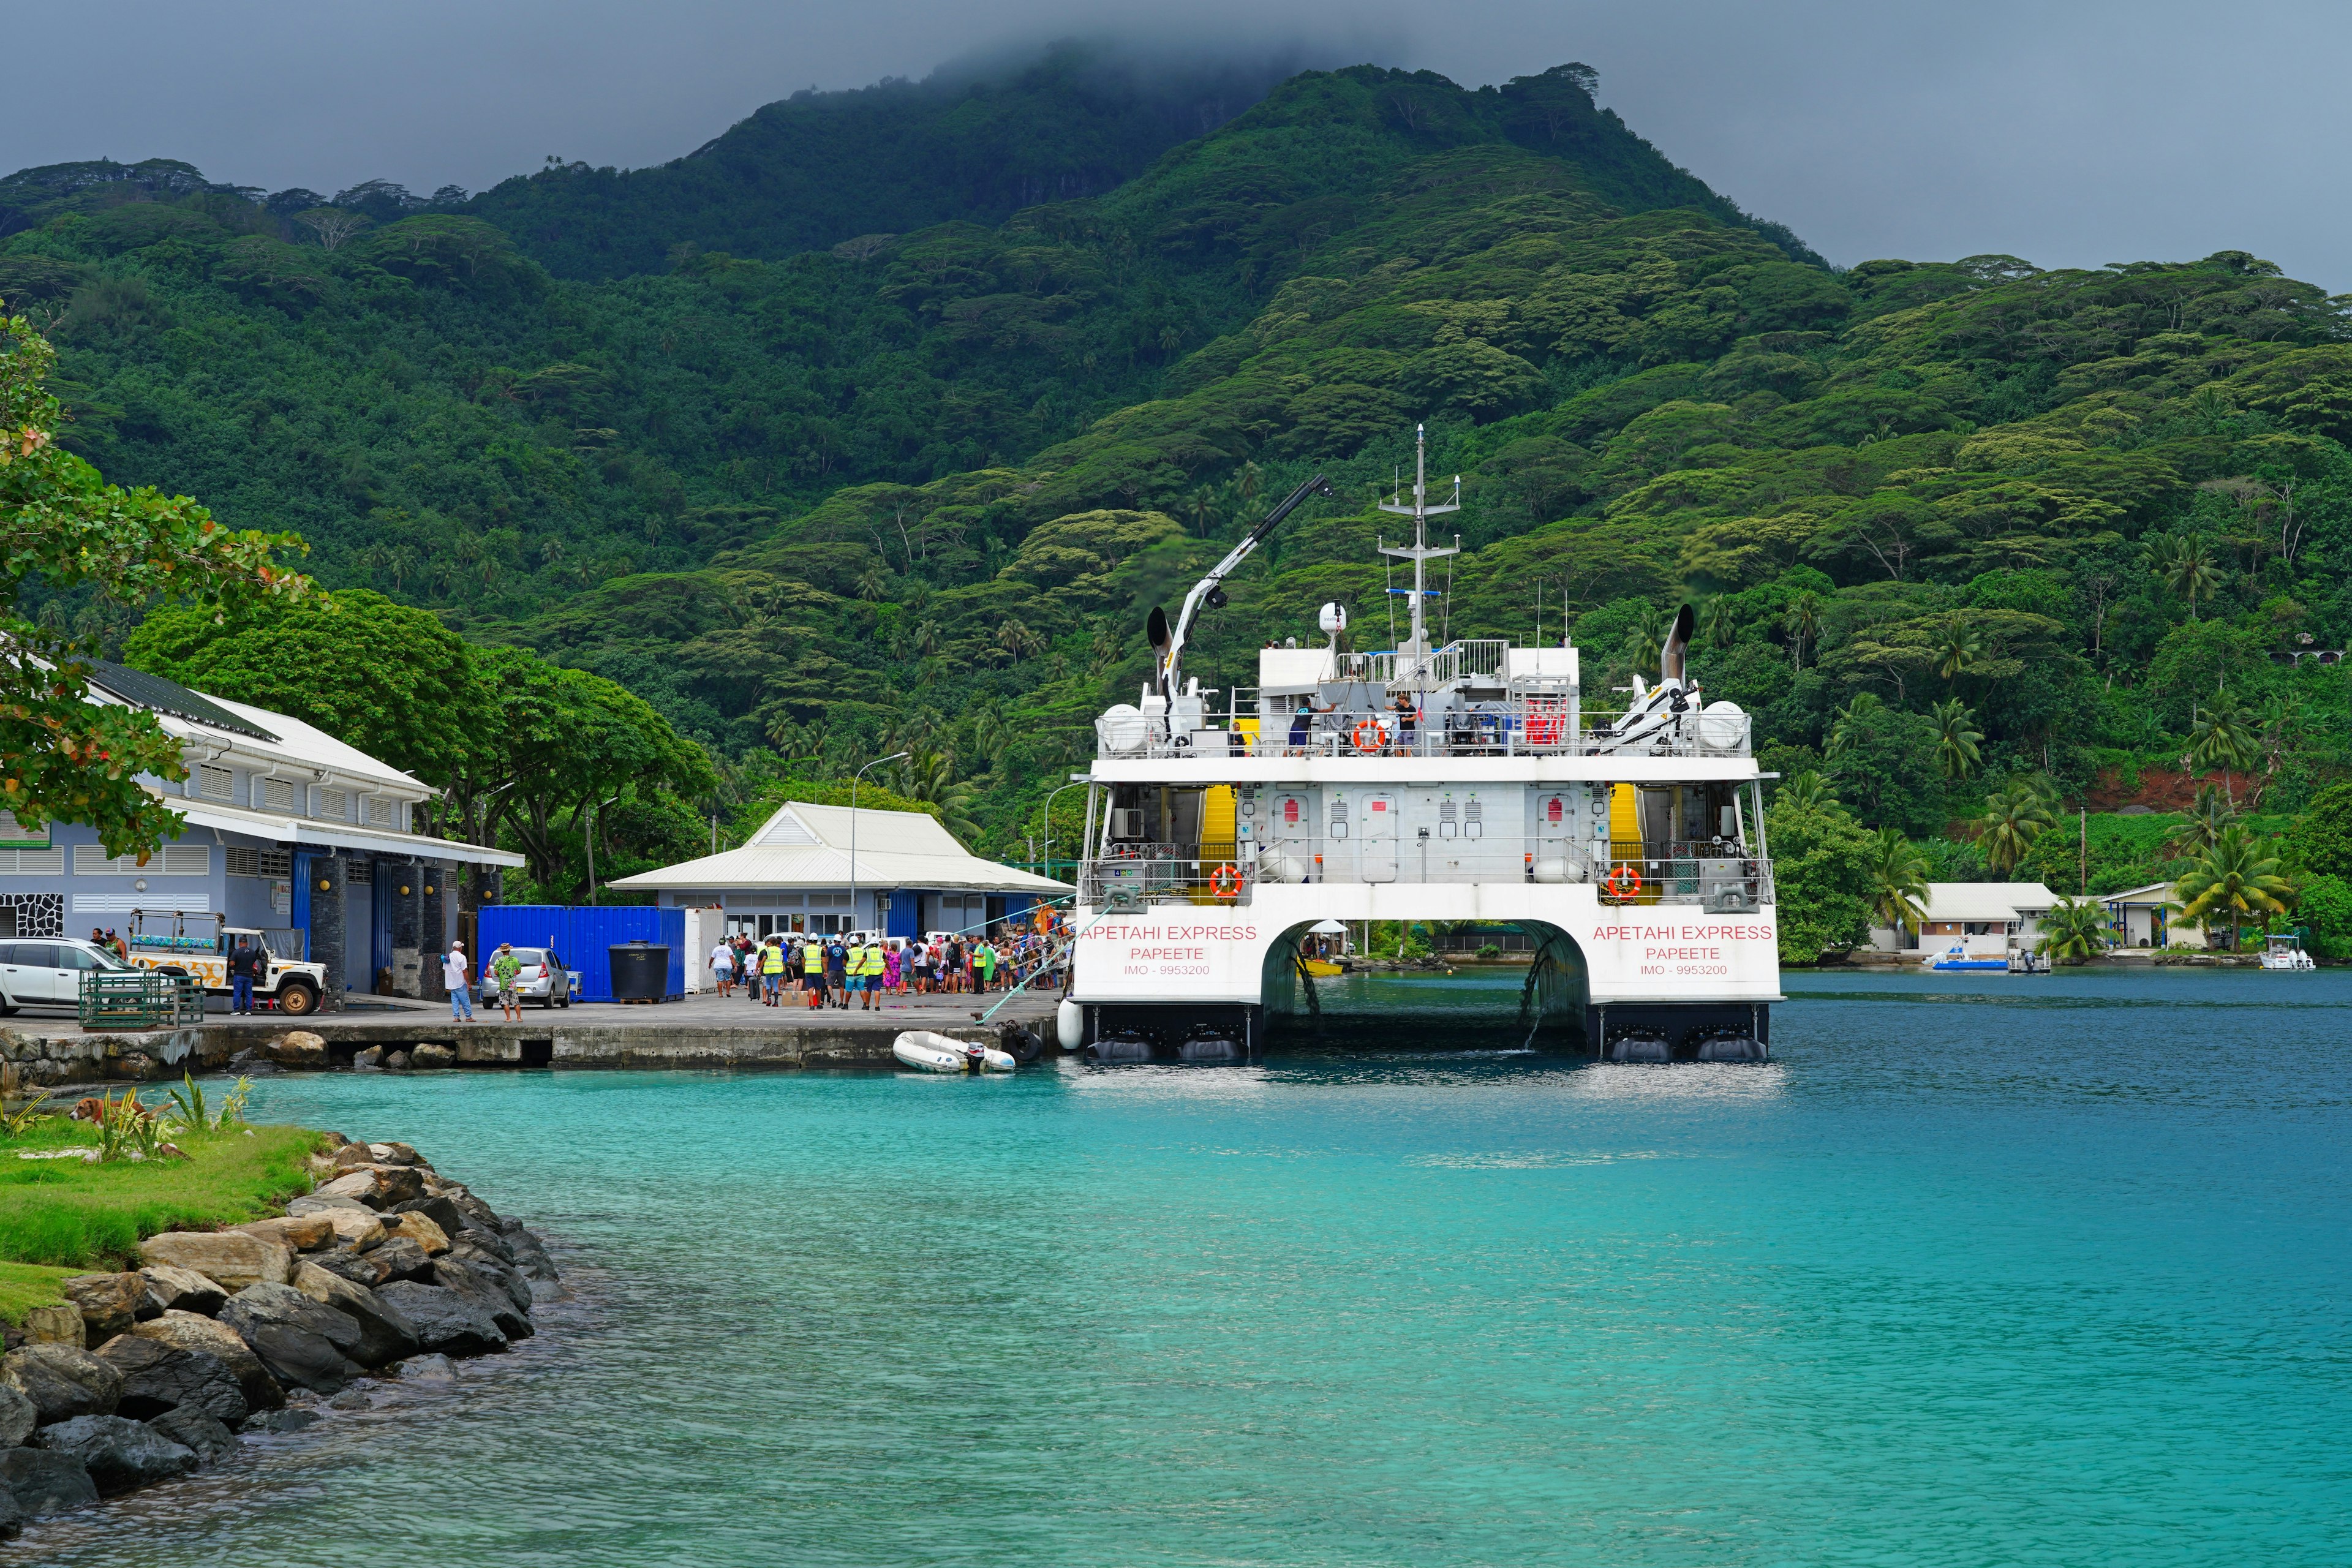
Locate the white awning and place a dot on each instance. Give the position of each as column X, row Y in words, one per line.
column 302, row 830
column 1326, row 927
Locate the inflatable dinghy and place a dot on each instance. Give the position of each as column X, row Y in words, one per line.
column 927, row 1052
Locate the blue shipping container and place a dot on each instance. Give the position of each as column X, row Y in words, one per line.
column 581, row 936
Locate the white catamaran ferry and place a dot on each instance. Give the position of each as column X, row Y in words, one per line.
column 1467, row 782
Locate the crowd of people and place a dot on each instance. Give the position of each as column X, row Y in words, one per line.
column 789, row 968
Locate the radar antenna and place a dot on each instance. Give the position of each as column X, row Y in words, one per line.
column 1414, row 657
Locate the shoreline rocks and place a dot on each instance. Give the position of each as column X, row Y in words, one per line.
column 388, row 1269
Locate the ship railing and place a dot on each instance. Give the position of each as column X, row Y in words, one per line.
column 1530, row 726
column 1134, row 876
column 1467, row 659
column 1712, row 878
column 1711, row 875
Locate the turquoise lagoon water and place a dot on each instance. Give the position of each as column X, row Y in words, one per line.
column 1981, row 1271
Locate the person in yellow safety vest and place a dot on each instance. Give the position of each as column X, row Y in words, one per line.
column 866, row 964
column 772, row 970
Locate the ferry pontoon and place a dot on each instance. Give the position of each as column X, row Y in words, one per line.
column 1462, row 782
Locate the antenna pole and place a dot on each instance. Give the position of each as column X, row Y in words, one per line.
column 1419, row 552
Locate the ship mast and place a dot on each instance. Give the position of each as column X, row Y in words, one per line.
column 1415, row 655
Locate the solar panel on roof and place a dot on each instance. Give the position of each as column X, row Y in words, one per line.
column 158, row 695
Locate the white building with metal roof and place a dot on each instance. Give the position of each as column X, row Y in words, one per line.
column 1990, row 917
column 288, row 830
column 827, row 869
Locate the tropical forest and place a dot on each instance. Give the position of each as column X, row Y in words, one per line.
column 881, row 423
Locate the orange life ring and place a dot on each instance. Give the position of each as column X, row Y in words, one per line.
column 1377, row 732
column 1224, row 882
column 1624, row 882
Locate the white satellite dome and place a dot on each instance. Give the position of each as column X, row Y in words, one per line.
column 1333, row 618
column 1121, row 729
column 1722, row 726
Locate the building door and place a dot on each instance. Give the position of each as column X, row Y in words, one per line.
column 384, row 890
column 1380, row 838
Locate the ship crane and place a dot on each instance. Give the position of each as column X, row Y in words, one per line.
column 1209, row 590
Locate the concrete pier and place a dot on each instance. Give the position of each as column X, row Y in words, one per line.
column 696, row 1033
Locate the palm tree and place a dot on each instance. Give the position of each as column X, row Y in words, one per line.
column 1865, row 706
column 926, row 636
column 2282, row 726
column 2185, row 563
column 1803, row 623
column 2013, row 819
column 2218, row 737
column 1958, row 652
column 1717, row 623
column 1898, row 882
column 1956, row 738
column 1809, row 791
column 1106, row 646
column 1643, row 638
column 873, row 582
column 2212, row 814
column 1016, row 638
column 1204, row 506
column 2232, row 880
column 930, row 777
column 2074, row 930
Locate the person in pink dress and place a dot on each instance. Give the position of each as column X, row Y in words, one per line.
column 890, row 962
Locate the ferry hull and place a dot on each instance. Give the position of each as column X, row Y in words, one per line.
column 1681, row 981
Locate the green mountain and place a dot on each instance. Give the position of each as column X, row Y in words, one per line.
column 1949, row 523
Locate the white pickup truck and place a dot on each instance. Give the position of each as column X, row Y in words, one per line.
column 296, row 986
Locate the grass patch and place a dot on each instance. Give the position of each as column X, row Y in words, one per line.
column 25, row 1286
column 73, row 1217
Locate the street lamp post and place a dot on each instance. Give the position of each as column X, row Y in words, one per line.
column 1049, row 821
column 589, row 839
column 855, row 780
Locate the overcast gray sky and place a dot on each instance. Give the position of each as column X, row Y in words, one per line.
column 2071, row 135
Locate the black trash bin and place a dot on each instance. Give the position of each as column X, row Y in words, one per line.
column 640, row 972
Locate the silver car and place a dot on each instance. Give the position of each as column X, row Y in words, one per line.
column 542, row 979
column 47, row 972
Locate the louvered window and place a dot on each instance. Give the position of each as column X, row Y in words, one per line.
column 278, row 794
column 242, row 860
column 213, row 783
column 333, row 805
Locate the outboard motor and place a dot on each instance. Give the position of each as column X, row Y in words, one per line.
column 975, row 1059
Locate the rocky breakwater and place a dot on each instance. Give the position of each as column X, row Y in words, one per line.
column 387, row 1269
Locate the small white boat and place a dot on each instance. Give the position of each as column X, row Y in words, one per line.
column 2285, row 954
column 1958, row 957
column 927, row 1052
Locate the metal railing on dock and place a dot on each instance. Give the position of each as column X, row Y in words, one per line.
column 139, row 999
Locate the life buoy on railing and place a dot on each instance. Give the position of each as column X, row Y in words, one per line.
column 1224, row 882
column 1371, row 735
column 1624, row 882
